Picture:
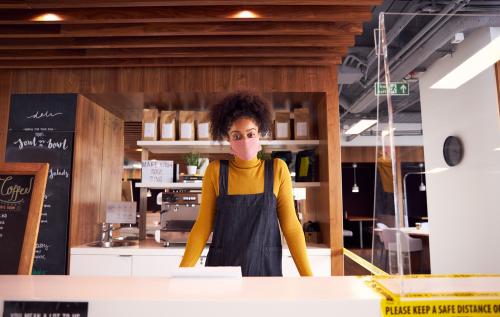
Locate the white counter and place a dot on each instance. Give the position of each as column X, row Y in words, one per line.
column 150, row 247
column 258, row 296
column 122, row 296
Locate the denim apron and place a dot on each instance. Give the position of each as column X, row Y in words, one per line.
column 246, row 230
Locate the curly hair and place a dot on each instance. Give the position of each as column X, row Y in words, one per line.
column 239, row 105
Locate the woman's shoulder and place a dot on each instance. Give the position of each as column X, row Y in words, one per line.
column 213, row 167
column 279, row 164
column 280, row 167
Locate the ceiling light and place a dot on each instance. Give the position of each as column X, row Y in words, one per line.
column 474, row 65
column 497, row 149
column 47, row 17
column 355, row 187
column 245, row 14
column 361, row 126
column 386, row 132
column 422, row 186
column 138, row 150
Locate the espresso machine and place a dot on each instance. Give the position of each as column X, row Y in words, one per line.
column 179, row 210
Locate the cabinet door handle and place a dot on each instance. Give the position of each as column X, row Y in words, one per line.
column 125, row 255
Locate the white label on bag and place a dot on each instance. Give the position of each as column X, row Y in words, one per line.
column 203, row 130
column 302, row 129
column 186, row 131
column 282, row 129
column 167, row 131
column 149, row 130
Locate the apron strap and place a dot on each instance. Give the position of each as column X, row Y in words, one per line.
column 223, row 177
column 269, row 176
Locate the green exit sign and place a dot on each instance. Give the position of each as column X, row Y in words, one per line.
column 397, row 89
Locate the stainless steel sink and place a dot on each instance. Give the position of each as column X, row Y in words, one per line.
column 112, row 244
column 127, row 238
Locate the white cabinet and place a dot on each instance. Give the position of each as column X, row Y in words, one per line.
column 154, row 265
column 163, row 262
column 100, row 265
column 320, row 265
column 158, row 265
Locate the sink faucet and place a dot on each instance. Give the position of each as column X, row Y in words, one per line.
column 106, row 232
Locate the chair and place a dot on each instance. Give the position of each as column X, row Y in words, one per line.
column 381, row 226
column 408, row 245
column 347, row 233
column 424, row 226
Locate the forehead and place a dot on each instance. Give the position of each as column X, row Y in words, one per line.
column 243, row 124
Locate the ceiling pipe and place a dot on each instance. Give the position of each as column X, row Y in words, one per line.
column 421, row 53
column 393, row 33
column 457, row 24
column 367, row 99
column 391, row 36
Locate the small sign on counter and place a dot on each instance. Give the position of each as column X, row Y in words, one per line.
column 61, row 309
column 121, row 212
column 157, row 172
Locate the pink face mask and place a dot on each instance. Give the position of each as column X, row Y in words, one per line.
column 246, row 149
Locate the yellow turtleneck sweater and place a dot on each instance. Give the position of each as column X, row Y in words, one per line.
column 247, row 177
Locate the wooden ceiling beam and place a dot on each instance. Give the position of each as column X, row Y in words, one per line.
column 189, row 41
column 177, row 29
column 174, row 52
column 189, row 14
column 139, row 62
column 54, row 4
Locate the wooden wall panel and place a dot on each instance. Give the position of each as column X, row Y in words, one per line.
column 87, row 166
column 366, row 154
column 334, row 195
column 176, row 79
column 112, row 162
column 327, row 200
column 411, row 153
column 5, row 82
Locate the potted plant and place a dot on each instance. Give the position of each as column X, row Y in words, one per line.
column 192, row 162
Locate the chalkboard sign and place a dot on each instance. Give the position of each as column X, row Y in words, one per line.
column 22, row 187
column 42, row 112
column 41, row 129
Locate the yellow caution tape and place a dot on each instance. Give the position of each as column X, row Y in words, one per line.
column 412, row 276
column 380, row 288
column 365, row 264
column 442, row 308
column 464, row 304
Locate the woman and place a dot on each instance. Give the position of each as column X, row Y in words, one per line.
column 243, row 199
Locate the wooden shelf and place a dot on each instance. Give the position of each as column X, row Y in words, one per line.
column 198, row 185
column 221, row 147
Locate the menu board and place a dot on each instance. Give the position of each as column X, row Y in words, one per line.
column 41, row 129
column 15, row 197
